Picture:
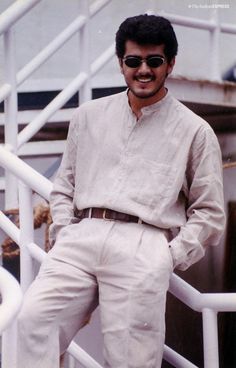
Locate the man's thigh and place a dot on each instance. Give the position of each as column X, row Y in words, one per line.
column 133, row 279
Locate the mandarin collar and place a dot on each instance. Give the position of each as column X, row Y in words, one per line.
column 153, row 107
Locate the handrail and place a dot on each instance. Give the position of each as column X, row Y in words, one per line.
column 228, row 28
column 208, row 25
column 96, row 6
column 212, row 25
column 82, row 357
column 178, row 287
column 11, row 15
column 184, row 292
column 27, row 174
column 51, row 48
column 9, row 228
column 34, row 126
column 176, row 359
column 208, row 304
column 38, row 122
column 219, row 302
column 11, row 298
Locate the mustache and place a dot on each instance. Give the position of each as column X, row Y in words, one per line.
column 147, row 75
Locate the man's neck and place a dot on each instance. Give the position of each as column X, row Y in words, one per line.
column 137, row 104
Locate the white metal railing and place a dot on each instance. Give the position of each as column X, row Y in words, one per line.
column 8, row 92
column 214, row 27
column 82, row 81
column 9, row 17
column 30, row 130
column 11, row 298
column 207, row 304
column 52, row 47
column 14, row 12
column 24, row 237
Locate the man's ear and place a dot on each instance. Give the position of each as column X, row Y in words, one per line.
column 170, row 66
column 121, row 65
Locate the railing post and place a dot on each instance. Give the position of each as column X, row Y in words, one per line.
column 215, row 47
column 26, row 235
column 9, row 347
column 26, row 270
column 9, row 337
column 71, row 361
column 210, row 338
column 11, row 128
column 85, row 92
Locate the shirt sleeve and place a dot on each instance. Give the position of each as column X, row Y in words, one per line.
column 61, row 198
column 205, row 201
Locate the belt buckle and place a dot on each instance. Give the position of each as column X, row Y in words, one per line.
column 104, row 215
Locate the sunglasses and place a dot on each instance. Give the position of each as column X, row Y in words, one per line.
column 151, row 61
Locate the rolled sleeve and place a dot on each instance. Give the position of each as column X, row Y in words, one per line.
column 205, row 208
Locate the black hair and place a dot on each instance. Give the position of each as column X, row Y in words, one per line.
column 147, row 29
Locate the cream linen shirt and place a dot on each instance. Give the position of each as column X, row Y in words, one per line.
column 165, row 168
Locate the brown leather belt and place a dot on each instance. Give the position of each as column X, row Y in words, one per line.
column 107, row 214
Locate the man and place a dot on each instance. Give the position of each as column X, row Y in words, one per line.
column 138, row 193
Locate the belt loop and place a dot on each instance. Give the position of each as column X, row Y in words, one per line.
column 104, row 214
column 90, row 212
column 140, row 221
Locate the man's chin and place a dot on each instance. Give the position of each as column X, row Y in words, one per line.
column 144, row 94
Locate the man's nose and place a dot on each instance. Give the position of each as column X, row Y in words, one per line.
column 144, row 68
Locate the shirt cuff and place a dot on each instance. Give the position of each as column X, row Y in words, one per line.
column 183, row 259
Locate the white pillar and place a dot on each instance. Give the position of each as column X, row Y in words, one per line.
column 11, row 302
column 215, row 47
column 26, row 235
column 9, row 347
column 11, row 128
column 85, row 92
column 210, row 338
column 9, row 337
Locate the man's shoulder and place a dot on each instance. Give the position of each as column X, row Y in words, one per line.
column 188, row 117
column 102, row 102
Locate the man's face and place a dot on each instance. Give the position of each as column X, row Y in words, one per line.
column 146, row 82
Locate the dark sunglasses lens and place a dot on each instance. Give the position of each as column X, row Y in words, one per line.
column 152, row 62
column 132, row 62
column 155, row 61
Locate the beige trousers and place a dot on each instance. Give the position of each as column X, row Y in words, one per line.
column 125, row 267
